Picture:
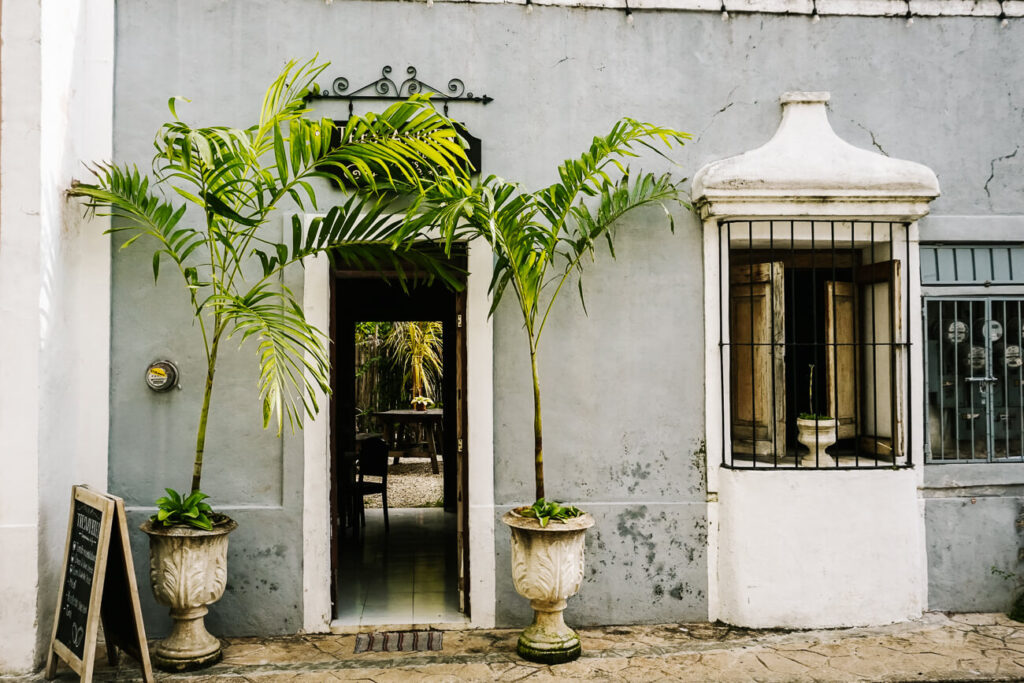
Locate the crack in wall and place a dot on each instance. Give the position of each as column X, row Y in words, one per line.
column 992, row 169
column 729, row 103
column 874, row 140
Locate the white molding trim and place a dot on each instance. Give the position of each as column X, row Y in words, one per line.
column 316, row 470
column 316, row 506
column 825, row 8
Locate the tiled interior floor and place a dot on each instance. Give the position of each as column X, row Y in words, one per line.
column 408, row 576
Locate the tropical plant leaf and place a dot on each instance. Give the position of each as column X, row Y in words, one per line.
column 292, row 353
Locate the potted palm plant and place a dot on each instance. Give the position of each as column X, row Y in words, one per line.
column 540, row 241
column 234, row 180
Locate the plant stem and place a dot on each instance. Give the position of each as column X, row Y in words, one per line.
column 211, row 366
column 538, row 441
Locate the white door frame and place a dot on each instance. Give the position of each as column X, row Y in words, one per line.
column 316, row 438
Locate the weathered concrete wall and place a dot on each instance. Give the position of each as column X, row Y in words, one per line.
column 622, row 387
column 973, row 517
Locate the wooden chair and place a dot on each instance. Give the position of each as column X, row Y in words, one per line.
column 373, row 462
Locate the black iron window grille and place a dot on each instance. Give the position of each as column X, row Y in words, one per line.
column 973, row 340
column 813, row 331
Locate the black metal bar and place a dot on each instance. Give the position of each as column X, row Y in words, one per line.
column 874, row 353
column 386, row 89
column 908, row 355
column 942, row 386
column 790, row 325
column 956, row 352
column 771, row 349
column 835, row 339
column 814, row 337
column 1020, row 378
column 893, row 315
column 723, row 281
column 858, row 359
column 970, row 362
column 753, row 359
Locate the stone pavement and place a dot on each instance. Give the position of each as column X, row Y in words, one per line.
column 937, row 647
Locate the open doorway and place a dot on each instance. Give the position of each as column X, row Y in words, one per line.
column 406, row 563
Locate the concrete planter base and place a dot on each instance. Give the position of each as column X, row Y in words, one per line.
column 547, row 569
column 816, row 435
column 188, row 571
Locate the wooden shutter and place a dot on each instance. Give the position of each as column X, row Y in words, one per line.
column 757, row 358
column 841, row 369
column 879, row 299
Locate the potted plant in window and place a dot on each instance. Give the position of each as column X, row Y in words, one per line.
column 816, row 432
column 540, row 240
column 234, row 180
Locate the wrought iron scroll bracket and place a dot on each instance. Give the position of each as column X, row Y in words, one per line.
column 388, row 88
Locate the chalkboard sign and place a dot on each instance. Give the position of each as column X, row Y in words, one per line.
column 78, row 576
column 97, row 584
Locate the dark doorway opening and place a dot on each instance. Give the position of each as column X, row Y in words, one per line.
column 412, row 565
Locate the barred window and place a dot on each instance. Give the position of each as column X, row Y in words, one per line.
column 813, row 344
column 974, row 333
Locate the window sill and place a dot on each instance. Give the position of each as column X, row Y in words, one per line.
column 965, row 475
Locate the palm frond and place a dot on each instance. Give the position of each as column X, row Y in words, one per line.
column 292, row 353
column 124, row 194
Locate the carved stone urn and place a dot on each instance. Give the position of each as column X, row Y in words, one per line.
column 188, row 569
column 816, row 435
column 547, row 569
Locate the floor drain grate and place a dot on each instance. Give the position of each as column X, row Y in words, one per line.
column 399, row 641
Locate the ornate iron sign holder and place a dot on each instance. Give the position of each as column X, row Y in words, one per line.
column 386, row 88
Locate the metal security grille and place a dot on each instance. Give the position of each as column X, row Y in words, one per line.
column 945, row 265
column 974, row 384
column 813, row 341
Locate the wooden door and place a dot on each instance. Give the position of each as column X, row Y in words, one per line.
column 841, row 365
column 461, row 452
column 757, row 358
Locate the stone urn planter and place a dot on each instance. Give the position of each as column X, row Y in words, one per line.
column 547, row 569
column 816, row 435
column 188, row 571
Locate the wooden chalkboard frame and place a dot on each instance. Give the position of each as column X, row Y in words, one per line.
column 122, row 620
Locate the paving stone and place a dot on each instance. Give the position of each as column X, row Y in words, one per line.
column 781, row 665
column 936, row 647
column 975, row 619
column 517, row 673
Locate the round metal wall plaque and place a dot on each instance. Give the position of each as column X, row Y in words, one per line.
column 993, row 329
column 957, row 331
column 161, row 375
column 1013, row 357
column 977, row 357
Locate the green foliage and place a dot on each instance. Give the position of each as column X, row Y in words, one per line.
column 417, row 346
column 172, row 509
column 813, row 416
column 235, row 179
column 546, row 510
column 541, row 239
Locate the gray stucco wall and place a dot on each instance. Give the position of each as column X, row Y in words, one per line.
column 623, row 388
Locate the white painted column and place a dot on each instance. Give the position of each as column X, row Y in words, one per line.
column 20, row 283
column 57, row 63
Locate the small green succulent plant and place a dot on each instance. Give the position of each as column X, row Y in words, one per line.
column 546, row 510
column 173, row 510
